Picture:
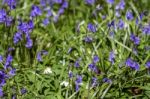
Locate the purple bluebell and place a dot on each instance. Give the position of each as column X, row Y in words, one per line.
column 91, row 66
column 146, row 30
column 17, row 37
column 90, row 2
column 117, row 14
column 65, row 4
column 107, row 80
column 36, row 11
column 49, row 13
column 95, row 59
column 39, row 55
column 58, row 1
column 46, row 22
column 147, row 64
column 43, row 2
column 12, row 71
column 1, row 58
column 111, row 34
column 88, row 39
column 103, row 17
column 70, row 74
column 3, row 77
column 78, row 82
column 135, row 39
column 2, row 15
column 8, row 61
column 112, row 57
column 11, row 3
column 129, row 15
column 30, row 24
column 111, row 24
column 91, row 27
column 1, row 92
column 8, row 21
column 120, row 5
column 23, row 91
column 94, row 81
column 29, row 43
column 110, row 1
column 130, row 63
column 60, row 11
column 120, row 24
column 76, row 64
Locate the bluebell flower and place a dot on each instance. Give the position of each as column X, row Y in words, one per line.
column 46, row 22
column 30, row 24
column 95, row 59
column 12, row 71
column 120, row 5
column 43, row 2
column 1, row 58
column 78, row 82
column 70, row 74
column 3, row 77
column 91, row 66
column 147, row 64
column 2, row 15
column 36, row 11
column 9, row 59
column 11, row 3
column 129, row 15
column 111, row 57
column 23, row 91
column 60, row 11
column 39, row 55
column 117, row 14
column 88, row 39
column 65, row 4
column 90, row 2
column 103, row 17
column 29, row 43
column 110, row 1
column 107, row 80
column 91, row 27
column 76, row 64
column 57, row 1
column 132, row 64
column 135, row 39
column 111, row 24
column 94, row 81
column 49, row 13
column 8, row 21
column 120, row 24
column 146, row 30
column 17, row 37
column 1, row 92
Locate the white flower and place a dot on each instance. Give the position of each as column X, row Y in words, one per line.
column 48, row 70
column 65, row 83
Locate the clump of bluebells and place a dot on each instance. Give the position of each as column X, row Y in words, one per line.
column 104, row 40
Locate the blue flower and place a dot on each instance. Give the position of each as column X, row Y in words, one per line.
column 39, row 55
column 9, row 59
column 36, row 11
column 134, row 65
column 120, row 5
column 112, row 57
column 135, row 39
column 23, row 91
column 78, row 82
column 65, row 4
column 43, row 2
column 17, row 37
column 88, row 39
column 29, row 43
column 90, row 2
column 3, row 77
column 2, row 15
column 146, row 29
column 12, row 71
column 76, row 64
column 121, row 24
column 91, row 27
column 147, row 64
column 95, row 59
column 1, row 58
column 107, row 80
column 60, row 11
column 57, row 1
column 11, row 4
column 1, row 92
column 110, row 1
column 129, row 15
column 46, row 22
column 70, row 74
column 94, row 81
